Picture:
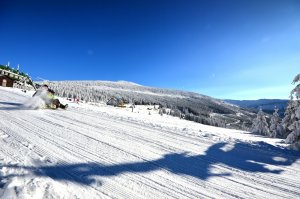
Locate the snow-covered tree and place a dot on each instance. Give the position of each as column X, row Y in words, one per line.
column 260, row 124
column 292, row 116
column 289, row 116
column 276, row 129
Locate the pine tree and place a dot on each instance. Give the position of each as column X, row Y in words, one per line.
column 276, row 129
column 260, row 125
column 292, row 117
column 289, row 116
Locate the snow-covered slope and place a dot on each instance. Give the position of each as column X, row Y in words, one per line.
column 195, row 106
column 105, row 152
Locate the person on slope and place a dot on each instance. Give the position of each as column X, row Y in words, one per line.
column 47, row 95
column 55, row 102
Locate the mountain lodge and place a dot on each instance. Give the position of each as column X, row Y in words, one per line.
column 11, row 79
column 6, row 81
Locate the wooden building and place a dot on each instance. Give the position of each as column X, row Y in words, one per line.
column 6, row 81
column 113, row 102
column 11, row 79
column 116, row 102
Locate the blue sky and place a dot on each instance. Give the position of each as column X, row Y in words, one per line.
column 237, row 49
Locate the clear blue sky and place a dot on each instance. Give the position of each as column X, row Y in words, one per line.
column 238, row 49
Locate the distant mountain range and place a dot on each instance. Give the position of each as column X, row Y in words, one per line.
column 191, row 106
column 267, row 105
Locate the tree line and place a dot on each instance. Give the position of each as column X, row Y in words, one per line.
column 289, row 127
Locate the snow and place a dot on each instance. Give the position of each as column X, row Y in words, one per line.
column 107, row 88
column 100, row 151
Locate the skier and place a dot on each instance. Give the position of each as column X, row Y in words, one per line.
column 55, row 102
column 47, row 95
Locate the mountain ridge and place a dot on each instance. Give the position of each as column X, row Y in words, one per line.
column 267, row 105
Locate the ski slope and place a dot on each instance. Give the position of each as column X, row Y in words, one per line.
column 99, row 151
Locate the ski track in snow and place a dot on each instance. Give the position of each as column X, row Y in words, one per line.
column 104, row 152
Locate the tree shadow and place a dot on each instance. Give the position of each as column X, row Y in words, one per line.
column 11, row 106
column 242, row 156
column 11, row 103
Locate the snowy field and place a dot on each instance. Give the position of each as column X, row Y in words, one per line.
column 99, row 151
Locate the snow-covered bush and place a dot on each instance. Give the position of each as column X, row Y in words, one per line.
column 260, row 125
column 276, row 128
column 291, row 120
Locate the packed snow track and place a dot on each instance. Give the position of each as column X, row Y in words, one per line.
column 105, row 152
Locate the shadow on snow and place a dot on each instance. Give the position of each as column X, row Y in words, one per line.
column 12, row 106
column 243, row 157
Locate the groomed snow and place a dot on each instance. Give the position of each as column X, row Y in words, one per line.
column 99, row 151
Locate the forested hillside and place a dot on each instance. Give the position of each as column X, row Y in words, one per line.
column 188, row 105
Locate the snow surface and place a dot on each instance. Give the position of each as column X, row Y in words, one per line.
column 107, row 88
column 99, row 151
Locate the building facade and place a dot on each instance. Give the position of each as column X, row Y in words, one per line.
column 6, row 81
